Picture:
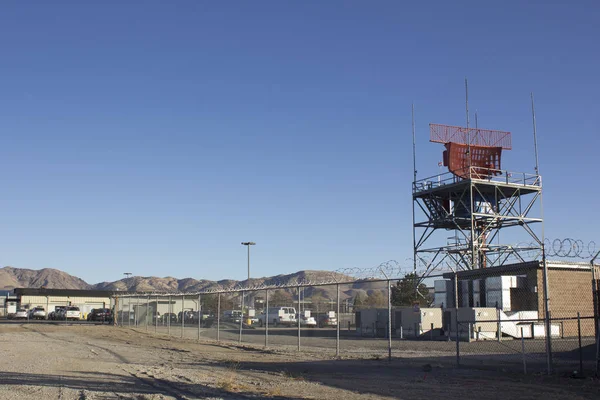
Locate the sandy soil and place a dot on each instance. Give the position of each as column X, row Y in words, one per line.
column 48, row 361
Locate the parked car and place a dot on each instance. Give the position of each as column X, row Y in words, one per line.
column 100, row 315
column 309, row 322
column 21, row 314
column 207, row 319
column 155, row 317
column 232, row 316
column 327, row 320
column 72, row 313
column 60, row 314
column 37, row 312
column 189, row 317
column 278, row 316
column 170, row 318
column 54, row 315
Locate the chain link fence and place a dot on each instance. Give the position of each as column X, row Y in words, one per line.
column 491, row 318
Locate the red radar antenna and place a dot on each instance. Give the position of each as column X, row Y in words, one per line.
column 471, row 152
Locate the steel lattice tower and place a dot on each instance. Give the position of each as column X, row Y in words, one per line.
column 476, row 201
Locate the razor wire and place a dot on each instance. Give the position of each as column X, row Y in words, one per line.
column 570, row 248
column 389, row 270
column 561, row 248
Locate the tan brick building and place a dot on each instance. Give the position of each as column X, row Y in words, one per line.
column 569, row 284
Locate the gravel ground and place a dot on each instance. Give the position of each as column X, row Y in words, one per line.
column 48, row 361
column 505, row 355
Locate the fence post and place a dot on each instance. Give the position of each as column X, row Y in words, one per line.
column 337, row 326
column 156, row 316
column 122, row 312
column 299, row 317
column 596, row 311
column 389, row 332
column 456, row 318
column 523, row 352
column 199, row 314
column 547, row 315
column 219, row 317
column 115, row 312
column 128, row 312
column 499, row 327
column 241, row 316
column 170, row 308
column 580, row 349
column 267, row 318
column 147, row 309
column 182, row 315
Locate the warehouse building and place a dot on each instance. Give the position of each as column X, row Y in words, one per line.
column 86, row 300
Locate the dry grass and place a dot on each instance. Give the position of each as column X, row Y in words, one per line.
column 230, row 382
column 275, row 391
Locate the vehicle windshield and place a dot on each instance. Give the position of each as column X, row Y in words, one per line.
column 73, row 309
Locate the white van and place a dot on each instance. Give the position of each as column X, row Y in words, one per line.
column 278, row 316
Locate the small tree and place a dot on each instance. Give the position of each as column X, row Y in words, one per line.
column 360, row 299
column 227, row 302
column 319, row 303
column 280, row 298
column 376, row 299
column 210, row 303
column 408, row 291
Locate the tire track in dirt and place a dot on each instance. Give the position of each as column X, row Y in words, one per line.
column 163, row 385
column 112, row 353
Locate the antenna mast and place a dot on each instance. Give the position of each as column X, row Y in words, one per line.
column 414, row 145
column 537, row 167
column 468, row 132
column 414, row 186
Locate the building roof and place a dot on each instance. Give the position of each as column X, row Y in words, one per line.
column 63, row 292
column 518, row 268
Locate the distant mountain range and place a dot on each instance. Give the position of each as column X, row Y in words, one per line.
column 49, row 278
column 11, row 278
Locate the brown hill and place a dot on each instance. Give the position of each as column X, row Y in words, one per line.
column 54, row 279
column 174, row 285
column 11, row 278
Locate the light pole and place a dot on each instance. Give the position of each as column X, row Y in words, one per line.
column 248, row 244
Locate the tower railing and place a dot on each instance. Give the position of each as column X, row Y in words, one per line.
column 479, row 174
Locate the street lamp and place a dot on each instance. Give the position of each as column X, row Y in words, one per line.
column 248, row 244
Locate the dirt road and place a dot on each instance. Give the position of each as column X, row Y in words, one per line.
column 103, row 362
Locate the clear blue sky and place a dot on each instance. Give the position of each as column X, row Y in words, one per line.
column 153, row 137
